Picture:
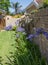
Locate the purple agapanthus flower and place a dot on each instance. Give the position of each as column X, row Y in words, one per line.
column 30, row 36
column 39, row 30
column 46, row 34
column 20, row 29
column 8, row 28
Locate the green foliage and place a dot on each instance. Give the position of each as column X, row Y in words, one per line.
column 16, row 6
column 4, row 5
column 1, row 60
column 27, row 53
column 24, row 51
column 45, row 5
column 45, row 1
column 43, row 61
column 14, row 28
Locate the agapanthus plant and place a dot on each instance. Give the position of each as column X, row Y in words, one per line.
column 20, row 29
column 8, row 28
column 38, row 32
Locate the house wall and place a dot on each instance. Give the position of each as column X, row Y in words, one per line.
column 33, row 7
column 39, row 1
column 11, row 21
column 29, row 10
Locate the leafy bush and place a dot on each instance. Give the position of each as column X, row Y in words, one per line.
column 45, row 1
column 45, row 5
column 14, row 28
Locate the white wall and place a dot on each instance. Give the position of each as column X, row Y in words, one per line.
column 12, row 21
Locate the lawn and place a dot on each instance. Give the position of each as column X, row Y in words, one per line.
column 6, row 40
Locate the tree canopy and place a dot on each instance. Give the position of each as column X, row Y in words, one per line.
column 45, row 1
column 16, row 6
column 4, row 5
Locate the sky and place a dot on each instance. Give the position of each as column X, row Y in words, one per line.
column 24, row 3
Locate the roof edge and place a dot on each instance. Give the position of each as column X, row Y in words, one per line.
column 31, row 4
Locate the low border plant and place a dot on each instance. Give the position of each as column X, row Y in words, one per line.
column 27, row 52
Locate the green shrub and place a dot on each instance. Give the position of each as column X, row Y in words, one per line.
column 45, row 1
column 14, row 28
column 43, row 61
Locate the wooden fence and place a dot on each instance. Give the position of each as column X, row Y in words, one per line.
column 39, row 19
